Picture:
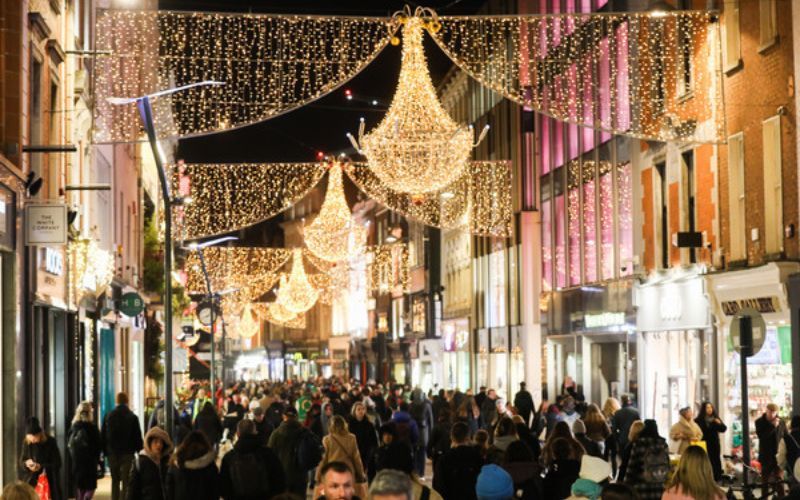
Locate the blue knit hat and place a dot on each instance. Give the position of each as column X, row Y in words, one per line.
column 494, row 483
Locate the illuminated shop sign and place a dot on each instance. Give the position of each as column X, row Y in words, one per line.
column 760, row 304
column 603, row 320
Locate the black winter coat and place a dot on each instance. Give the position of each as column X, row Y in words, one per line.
column 523, row 402
column 711, row 437
column 45, row 454
column 457, row 472
column 247, row 445
column 527, row 479
column 208, row 423
column 84, row 461
column 148, row 478
column 121, row 432
column 557, row 483
column 440, row 441
column 196, row 479
column 285, row 441
column 769, row 436
column 366, row 437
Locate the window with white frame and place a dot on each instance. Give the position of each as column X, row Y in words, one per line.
column 736, row 201
column 731, row 47
column 773, row 188
column 767, row 22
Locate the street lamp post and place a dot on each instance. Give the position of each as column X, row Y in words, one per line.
column 146, row 113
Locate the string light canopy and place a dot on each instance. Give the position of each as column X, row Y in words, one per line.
column 227, row 197
column 655, row 76
column 270, row 64
column 334, row 235
column 278, row 315
column 244, row 268
column 297, row 294
column 417, row 147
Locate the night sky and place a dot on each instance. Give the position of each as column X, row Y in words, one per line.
column 322, row 125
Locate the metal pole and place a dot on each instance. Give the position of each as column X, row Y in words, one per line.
column 146, row 113
column 213, row 302
column 745, row 351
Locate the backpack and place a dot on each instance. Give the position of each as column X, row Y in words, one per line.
column 309, row 451
column 78, row 443
column 655, row 465
column 249, row 475
column 417, row 412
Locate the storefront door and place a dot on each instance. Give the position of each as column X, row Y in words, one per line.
column 106, row 372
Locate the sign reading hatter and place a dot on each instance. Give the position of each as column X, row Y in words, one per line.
column 46, row 224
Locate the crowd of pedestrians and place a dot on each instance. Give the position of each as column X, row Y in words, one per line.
column 345, row 441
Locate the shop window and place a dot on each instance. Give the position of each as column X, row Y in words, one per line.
column 574, row 223
column 547, row 246
column 558, row 142
column 767, row 22
column 544, row 144
column 625, row 218
column 736, row 199
column 731, row 47
column 606, row 221
column 496, row 307
column 561, row 258
column 589, row 224
column 623, row 100
column 773, row 189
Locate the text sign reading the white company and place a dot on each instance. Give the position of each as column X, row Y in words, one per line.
column 46, row 224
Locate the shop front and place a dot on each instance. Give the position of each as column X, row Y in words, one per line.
column 482, row 358
column 455, row 354
column 252, row 365
column 339, row 355
column 431, row 367
column 498, row 361
column 591, row 341
column 276, row 350
column 770, row 369
column 516, row 359
column 676, row 343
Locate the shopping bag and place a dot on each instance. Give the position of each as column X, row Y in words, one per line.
column 43, row 487
column 700, row 443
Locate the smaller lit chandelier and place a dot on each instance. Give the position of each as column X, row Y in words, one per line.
column 248, row 326
column 417, row 148
column 297, row 294
column 334, row 235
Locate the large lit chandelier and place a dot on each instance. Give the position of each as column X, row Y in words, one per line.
column 297, row 294
column 92, row 268
column 248, row 326
column 334, row 235
column 417, row 147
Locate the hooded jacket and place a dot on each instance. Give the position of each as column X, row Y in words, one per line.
column 208, row 423
column 285, row 441
column 149, row 472
column 196, row 479
column 457, row 472
column 527, row 479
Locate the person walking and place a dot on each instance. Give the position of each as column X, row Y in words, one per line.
column 192, row 473
column 686, row 431
column 148, row 479
column 561, row 431
column 263, row 427
column 440, row 437
column 521, row 464
column 456, row 471
column 693, row 478
column 365, row 433
column 525, row 435
column 18, row 490
column 597, row 428
column 595, row 473
column 710, row 424
column 591, row 446
column 505, row 433
column 199, row 402
column 494, row 483
column 337, row 483
column 625, row 456
column 122, row 440
column 612, row 450
column 489, row 410
column 285, row 441
column 85, row 446
column 250, row 471
column 342, row 446
column 422, row 413
column 39, row 456
column 649, row 466
column 207, row 421
column 562, row 469
column 391, row 484
column 523, row 402
column 770, row 430
column 789, row 448
column 623, row 418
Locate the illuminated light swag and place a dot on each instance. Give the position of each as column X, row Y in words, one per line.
column 637, row 74
column 91, row 269
column 297, row 294
column 270, row 64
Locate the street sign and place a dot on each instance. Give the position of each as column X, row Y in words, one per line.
column 131, row 304
column 758, row 326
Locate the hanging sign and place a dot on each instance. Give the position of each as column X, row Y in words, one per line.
column 46, row 224
column 759, row 329
column 131, row 304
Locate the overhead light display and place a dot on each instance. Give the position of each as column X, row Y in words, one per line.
column 297, row 294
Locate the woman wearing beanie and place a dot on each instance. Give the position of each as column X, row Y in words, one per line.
column 494, row 484
column 693, row 479
column 505, row 433
column 40, row 455
column 592, row 447
column 149, row 472
column 594, row 475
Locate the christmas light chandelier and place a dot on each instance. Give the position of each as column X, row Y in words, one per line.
column 297, row 294
column 248, row 326
column 417, row 147
column 334, row 236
